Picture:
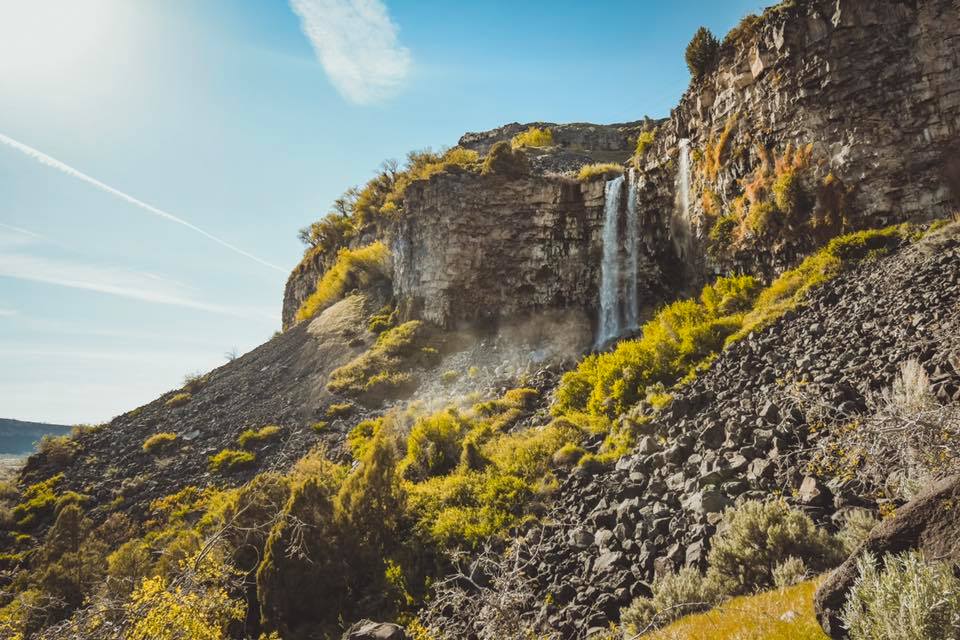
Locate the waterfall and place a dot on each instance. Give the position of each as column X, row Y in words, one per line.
column 631, row 305
column 685, row 177
column 609, row 326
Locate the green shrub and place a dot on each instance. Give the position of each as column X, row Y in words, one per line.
column 382, row 372
column 856, row 529
column 677, row 339
column 568, row 455
column 231, row 460
column 158, row 442
column 38, row 501
column 434, row 445
column 354, row 268
column 701, row 54
column 58, row 450
column 384, row 319
column 502, row 159
column 533, row 137
column 606, row 170
column 449, row 377
column 674, row 596
column 320, row 426
column 790, row 572
column 252, row 438
column 644, row 140
column 722, row 234
column 909, row 599
column 340, row 410
column 361, row 435
column 178, row 400
column 757, row 536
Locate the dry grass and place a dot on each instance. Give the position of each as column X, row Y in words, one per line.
column 608, row 170
column 783, row 614
column 354, row 268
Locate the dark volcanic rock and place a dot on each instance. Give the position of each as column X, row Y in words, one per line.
column 930, row 523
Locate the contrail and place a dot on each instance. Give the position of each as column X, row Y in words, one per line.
column 44, row 159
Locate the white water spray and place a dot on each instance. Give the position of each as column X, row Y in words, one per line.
column 631, row 310
column 609, row 326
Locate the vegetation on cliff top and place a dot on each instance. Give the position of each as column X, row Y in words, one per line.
column 354, row 269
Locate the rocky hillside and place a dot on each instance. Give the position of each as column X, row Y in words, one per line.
column 739, row 432
column 525, row 380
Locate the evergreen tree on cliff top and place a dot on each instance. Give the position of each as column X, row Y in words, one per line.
column 702, row 52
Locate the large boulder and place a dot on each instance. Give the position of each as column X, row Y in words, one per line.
column 930, row 523
column 369, row 630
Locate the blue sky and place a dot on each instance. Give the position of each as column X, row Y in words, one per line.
column 246, row 119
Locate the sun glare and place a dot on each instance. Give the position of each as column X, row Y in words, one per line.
column 50, row 40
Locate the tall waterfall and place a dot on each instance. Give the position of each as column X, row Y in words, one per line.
column 609, row 326
column 631, row 305
column 685, row 177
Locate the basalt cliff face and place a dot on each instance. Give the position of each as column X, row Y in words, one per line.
column 869, row 90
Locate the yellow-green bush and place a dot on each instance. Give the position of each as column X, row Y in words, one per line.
column 178, row 400
column 158, row 442
column 339, row 410
column 384, row 370
column 252, row 438
column 644, row 140
column 504, row 160
column 354, row 268
column 605, row 170
column 533, row 137
column 38, row 501
column 320, row 426
column 58, row 450
column 231, row 460
column 678, row 338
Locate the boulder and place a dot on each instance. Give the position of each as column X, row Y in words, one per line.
column 930, row 523
column 369, row 630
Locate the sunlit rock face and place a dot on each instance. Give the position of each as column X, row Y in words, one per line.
column 872, row 87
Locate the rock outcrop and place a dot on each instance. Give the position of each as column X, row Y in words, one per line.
column 482, row 247
column 873, row 86
column 930, row 523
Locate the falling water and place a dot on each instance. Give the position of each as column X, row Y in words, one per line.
column 609, row 326
column 685, row 177
column 631, row 311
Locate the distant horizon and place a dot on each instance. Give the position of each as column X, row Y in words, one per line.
column 156, row 161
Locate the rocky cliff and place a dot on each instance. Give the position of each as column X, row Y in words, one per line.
column 870, row 91
column 873, row 86
column 481, row 247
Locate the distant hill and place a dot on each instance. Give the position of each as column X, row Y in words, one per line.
column 19, row 438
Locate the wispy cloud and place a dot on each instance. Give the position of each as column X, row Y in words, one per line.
column 127, row 284
column 7, row 313
column 356, row 42
column 53, row 163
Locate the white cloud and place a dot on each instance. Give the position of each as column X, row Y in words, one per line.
column 53, row 163
column 7, row 313
column 356, row 42
column 127, row 284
